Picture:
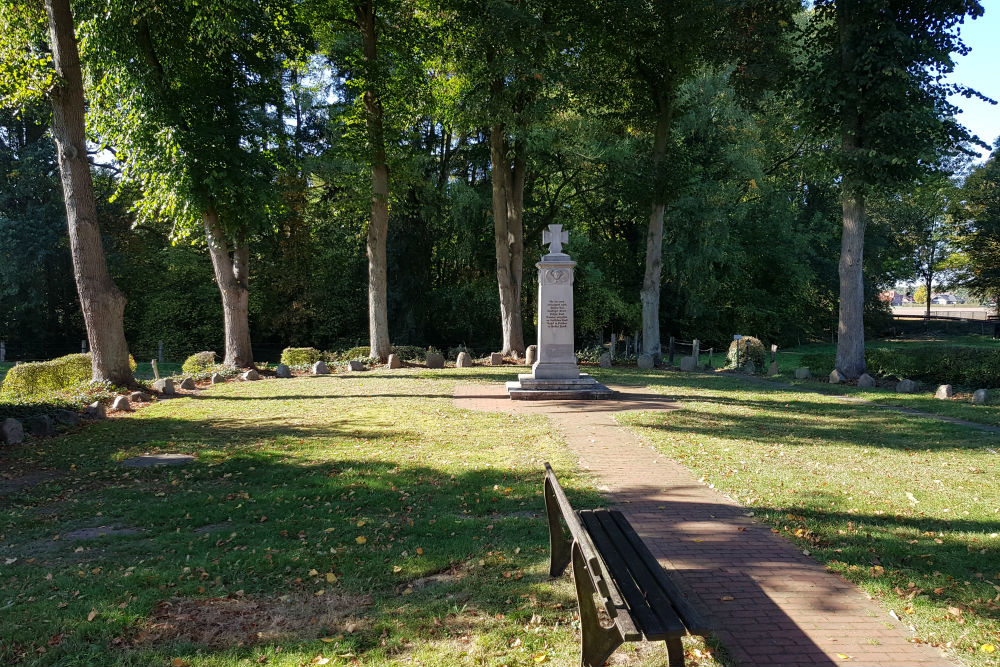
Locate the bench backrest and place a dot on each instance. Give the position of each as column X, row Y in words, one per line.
column 596, row 568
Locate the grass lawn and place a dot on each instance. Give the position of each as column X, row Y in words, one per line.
column 907, row 508
column 362, row 518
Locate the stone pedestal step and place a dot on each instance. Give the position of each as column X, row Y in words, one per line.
column 592, row 391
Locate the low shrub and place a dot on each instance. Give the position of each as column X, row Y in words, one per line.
column 591, row 354
column 819, row 363
column 300, row 356
column 750, row 349
column 198, row 362
column 34, row 380
column 968, row 366
column 409, row 352
column 360, row 353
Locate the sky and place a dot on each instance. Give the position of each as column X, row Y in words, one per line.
column 980, row 70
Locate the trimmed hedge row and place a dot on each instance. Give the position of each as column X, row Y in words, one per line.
column 750, row 349
column 968, row 366
column 199, row 362
column 41, row 378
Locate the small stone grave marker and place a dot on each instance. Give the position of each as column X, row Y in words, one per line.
column 218, row 378
column 283, row 371
column 435, row 360
column 95, row 411
column 121, row 404
column 531, row 355
column 394, row 361
column 906, row 386
column 164, row 386
column 802, row 373
column 11, row 431
column 689, row 363
column 605, row 360
column 645, row 362
column 944, row 391
column 187, row 384
column 250, row 375
column 153, row 460
column 355, row 365
column 139, row 397
column 496, row 359
column 980, row 396
column 835, row 377
column 319, row 368
column 866, row 381
column 463, row 360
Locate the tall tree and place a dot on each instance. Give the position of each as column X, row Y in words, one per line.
column 653, row 48
column 373, row 47
column 188, row 98
column 873, row 78
column 979, row 229
column 509, row 59
column 103, row 304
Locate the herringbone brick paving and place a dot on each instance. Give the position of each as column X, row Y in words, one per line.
column 772, row 605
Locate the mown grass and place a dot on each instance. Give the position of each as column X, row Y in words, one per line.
column 907, row 508
column 323, row 503
column 959, row 406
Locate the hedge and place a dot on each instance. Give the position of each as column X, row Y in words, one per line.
column 750, row 349
column 199, row 362
column 38, row 378
column 968, row 366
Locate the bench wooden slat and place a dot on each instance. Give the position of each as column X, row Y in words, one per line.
column 649, row 623
column 612, row 601
column 645, row 574
column 692, row 619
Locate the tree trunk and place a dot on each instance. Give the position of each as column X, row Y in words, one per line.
column 650, row 293
column 508, row 233
column 231, row 274
column 930, row 278
column 102, row 302
column 378, row 226
column 850, row 360
column 851, row 327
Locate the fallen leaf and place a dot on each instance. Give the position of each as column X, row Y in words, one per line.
column 954, row 611
column 420, row 552
column 313, row 573
column 319, row 660
column 396, row 569
column 319, row 592
column 331, row 578
column 180, row 662
column 987, row 648
column 843, row 656
column 726, row 598
column 92, row 615
column 541, row 657
column 360, row 539
column 328, row 640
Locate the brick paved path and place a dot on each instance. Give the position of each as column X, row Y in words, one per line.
column 786, row 610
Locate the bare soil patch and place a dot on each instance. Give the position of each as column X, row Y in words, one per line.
column 239, row 621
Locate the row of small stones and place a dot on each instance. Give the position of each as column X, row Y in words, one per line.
column 944, row 391
column 12, row 430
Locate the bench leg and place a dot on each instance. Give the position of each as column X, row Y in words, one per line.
column 675, row 653
column 559, row 545
column 597, row 642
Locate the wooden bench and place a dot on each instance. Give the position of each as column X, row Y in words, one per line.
column 611, row 561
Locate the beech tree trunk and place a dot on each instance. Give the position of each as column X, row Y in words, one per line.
column 378, row 226
column 102, row 302
column 851, row 327
column 650, row 293
column 508, row 233
column 231, row 274
column 850, row 359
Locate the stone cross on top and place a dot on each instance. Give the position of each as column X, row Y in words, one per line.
column 554, row 236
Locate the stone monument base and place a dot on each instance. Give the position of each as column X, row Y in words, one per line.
column 582, row 387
